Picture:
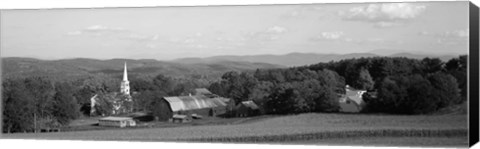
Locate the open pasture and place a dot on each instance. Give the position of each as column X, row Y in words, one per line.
column 288, row 129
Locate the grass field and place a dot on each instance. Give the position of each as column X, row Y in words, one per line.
column 304, row 128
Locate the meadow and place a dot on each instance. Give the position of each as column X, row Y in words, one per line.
column 310, row 128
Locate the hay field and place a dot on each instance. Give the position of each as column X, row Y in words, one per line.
column 285, row 129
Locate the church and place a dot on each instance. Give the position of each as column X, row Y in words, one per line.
column 114, row 103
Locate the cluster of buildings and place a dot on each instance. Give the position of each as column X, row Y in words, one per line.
column 194, row 106
column 174, row 109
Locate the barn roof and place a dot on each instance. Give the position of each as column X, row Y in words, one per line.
column 250, row 104
column 183, row 103
column 111, row 118
column 354, row 94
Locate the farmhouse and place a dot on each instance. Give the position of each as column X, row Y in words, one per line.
column 117, row 122
column 167, row 107
column 352, row 101
column 115, row 102
column 247, row 108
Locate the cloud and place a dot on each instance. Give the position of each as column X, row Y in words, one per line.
column 74, row 33
column 276, row 30
column 457, row 33
column 384, row 15
column 332, row 35
column 335, row 35
column 447, row 34
column 139, row 37
column 268, row 34
column 97, row 30
column 383, row 24
column 339, row 37
column 100, row 28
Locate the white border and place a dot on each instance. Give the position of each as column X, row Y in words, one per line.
column 48, row 4
column 36, row 4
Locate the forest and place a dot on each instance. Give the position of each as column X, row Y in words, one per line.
column 395, row 85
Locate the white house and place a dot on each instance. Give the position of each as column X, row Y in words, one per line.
column 352, row 101
column 117, row 121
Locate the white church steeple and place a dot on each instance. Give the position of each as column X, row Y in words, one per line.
column 125, row 85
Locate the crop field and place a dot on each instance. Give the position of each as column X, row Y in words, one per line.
column 309, row 128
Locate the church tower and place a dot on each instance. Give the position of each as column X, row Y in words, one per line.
column 125, row 85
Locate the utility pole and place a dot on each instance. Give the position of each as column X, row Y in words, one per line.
column 35, row 121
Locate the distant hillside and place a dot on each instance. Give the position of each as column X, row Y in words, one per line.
column 296, row 59
column 20, row 67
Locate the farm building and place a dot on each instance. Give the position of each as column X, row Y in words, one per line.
column 247, row 108
column 352, row 101
column 117, row 121
column 166, row 107
column 180, row 118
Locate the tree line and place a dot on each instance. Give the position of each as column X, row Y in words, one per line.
column 395, row 85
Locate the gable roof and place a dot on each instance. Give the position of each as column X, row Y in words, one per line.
column 184, row 103
column 202, row 91
column 250, row 104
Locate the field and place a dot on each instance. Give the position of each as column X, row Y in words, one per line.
column 419, row 130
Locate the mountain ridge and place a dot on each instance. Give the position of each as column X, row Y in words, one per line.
column 301, row 59
column 81, row 67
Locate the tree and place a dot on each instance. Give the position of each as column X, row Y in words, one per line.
column 18, row 107
column 457, row 67
column 235, row 85
column 65, row 107
column 327, row 100
column 332, row 79
column 432, row 65
column 364, row 80
column 282, row 100
column 164, row 85
column 446, row 89
column 144, row 99
column 42, row 91
column 411, row 94
column 420, row 98
column 260, row 93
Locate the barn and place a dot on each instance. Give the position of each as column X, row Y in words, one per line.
column 203, row 105
column 117, row 121
column 352, row 101
column 247, row 108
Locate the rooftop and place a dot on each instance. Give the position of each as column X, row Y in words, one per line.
column 112, row 118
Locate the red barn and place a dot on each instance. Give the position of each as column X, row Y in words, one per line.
column 203, row 105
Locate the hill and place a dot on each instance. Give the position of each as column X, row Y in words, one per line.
column 67, row 68
column 297, row 59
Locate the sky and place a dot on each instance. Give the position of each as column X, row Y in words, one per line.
column 167, row 33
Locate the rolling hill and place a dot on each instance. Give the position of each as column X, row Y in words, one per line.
column 67, row 68
column 298, row 59
column 211, row 66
